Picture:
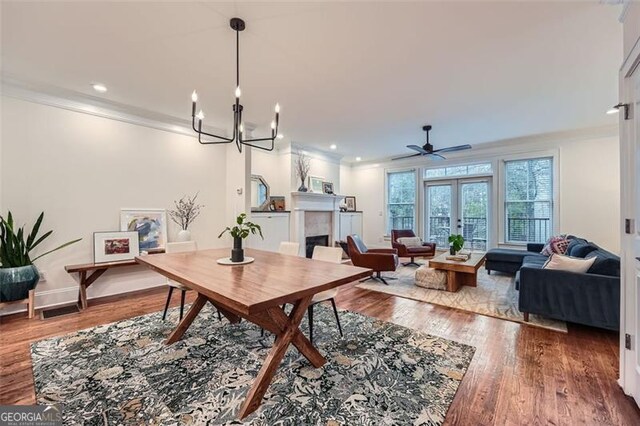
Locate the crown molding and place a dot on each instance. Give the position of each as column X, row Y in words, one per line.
column 86, row 104
column 314, row 153
column 626, row 4
column 505, row 146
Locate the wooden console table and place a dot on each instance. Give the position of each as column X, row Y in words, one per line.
column 90, row 272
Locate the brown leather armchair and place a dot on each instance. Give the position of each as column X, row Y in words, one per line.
column 426, row 250
column 380, row 260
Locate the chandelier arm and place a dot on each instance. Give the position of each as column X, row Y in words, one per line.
column 211, row 142
column 260, row 147
column 200, row 132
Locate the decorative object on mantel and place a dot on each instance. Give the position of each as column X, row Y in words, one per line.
column 278, row 203
column 184, row 214
column 240, row 231
column 302, row 166
column 327, row 187
column 350, row 203
column 456, row 243
column 151, row 225
column 115, row 246
column 237, row 25
column 315, row 183
column 18, row 275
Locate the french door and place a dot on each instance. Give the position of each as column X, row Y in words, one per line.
column 458, row 206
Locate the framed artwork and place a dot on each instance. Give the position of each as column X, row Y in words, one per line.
column 115, row 246
column 277, row 202
column 151, row 225
column 327, row 187
column 315, row 184
column 350, row 202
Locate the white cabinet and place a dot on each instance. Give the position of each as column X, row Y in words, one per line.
column 275, row 228
column 350, row 223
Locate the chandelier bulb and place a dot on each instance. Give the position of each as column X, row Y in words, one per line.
column 241, row 128
column 238, row 92
column 194, row 96
column 277, row 108
column 273, row 125
column 200, row 115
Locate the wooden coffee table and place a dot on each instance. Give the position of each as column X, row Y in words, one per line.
column 459, row 273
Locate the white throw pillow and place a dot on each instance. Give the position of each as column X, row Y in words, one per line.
column 410, row 241
column 567, row 263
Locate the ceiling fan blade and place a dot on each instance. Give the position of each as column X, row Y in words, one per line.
column 435, row 156
column 406, row 156
column 453, row 148
column 420, row 149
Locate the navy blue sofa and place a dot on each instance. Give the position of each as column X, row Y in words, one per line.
column 592, row 298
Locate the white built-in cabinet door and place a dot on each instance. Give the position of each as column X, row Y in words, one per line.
column 350, row 223
column 275, row 228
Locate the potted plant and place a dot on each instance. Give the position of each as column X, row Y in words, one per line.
column 239, row 232
column 18, row 274
column 184, row 214
column 456, row 242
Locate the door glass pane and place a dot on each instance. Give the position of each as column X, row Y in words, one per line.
column 474, row 214
column 439, row 214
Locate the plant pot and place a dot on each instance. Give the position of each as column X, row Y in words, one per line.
column 302, row 187
column 237, row 253
column 15, row 283
column 184, row 235
column 452, row 250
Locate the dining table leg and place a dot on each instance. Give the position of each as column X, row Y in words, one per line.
column 287, row 331
column 193, row 312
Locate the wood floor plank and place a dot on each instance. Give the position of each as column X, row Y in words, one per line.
column 519, row 374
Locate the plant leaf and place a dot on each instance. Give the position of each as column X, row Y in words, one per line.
column 57, row 248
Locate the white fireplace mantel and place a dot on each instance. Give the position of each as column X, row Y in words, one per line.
column 303, row 202
column 315, row 201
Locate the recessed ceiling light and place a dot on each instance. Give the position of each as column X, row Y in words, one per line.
column 99, row 87
column 333, row 146
column 613, row 111
column 358, row 159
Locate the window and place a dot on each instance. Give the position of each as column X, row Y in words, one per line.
column 528, row 200
column 473, row 169
column 401, row 200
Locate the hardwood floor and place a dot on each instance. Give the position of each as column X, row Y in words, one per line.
column 519, row 374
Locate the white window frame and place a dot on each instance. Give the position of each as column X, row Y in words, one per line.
column 417, row 226
column 555, row 185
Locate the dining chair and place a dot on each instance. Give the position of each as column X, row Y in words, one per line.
column 181, row 247
column 326, row 254
column 289, row 248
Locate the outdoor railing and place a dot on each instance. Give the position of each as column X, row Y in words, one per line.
column 528, row 230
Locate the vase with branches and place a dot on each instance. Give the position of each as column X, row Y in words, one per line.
column 185, row 212
column 302, row 166
column 239, row 232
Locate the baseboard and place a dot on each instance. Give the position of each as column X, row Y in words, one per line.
column 64, row 296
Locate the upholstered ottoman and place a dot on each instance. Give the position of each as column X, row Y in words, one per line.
column 431, row 278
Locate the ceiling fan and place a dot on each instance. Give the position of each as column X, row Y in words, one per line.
column 427, row 149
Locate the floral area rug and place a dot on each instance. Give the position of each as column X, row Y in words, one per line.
column 495, row 296
column 122, row 373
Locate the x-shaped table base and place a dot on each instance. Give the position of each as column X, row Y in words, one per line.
column 285, row 327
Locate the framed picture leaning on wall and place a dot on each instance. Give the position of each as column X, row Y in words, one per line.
column 115, row 246
column 350, row 203
column 151, row 225
column 327, row 187
column 315, row 184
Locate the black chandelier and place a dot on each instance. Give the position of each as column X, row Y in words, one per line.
column 237, row 25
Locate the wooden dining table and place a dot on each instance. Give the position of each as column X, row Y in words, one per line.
column 256, row 292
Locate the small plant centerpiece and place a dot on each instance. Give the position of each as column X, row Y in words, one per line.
column 18, row 274
column 239, row 232
column 302, row 166
column 185, row 212
column 456, row 242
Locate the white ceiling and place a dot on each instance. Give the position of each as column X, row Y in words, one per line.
column 365, row 76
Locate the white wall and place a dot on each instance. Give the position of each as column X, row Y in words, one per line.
column 81, row 169
column 589, row 194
